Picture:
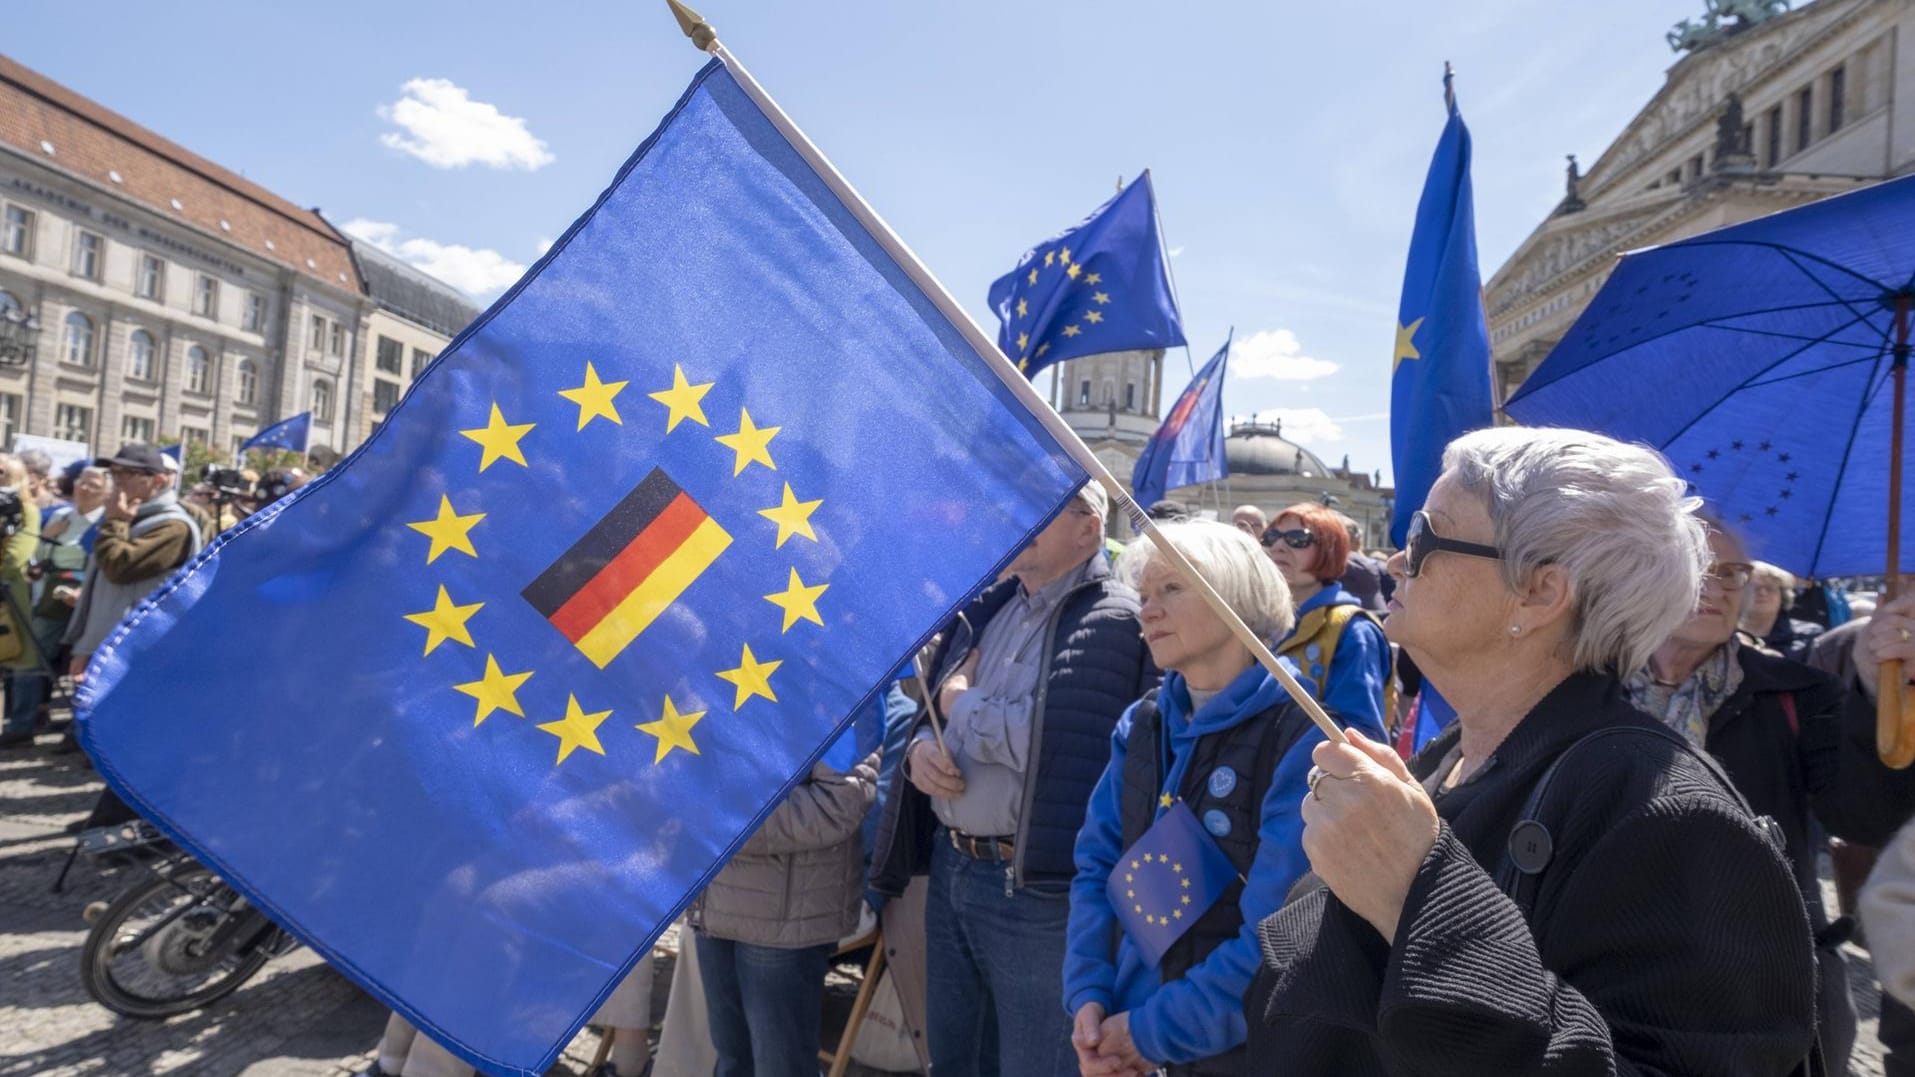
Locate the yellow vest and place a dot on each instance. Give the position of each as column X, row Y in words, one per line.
column 1313, row 646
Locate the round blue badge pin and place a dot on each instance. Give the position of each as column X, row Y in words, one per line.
column 1313, row 651
column 1217, row 823
column 1222, row 781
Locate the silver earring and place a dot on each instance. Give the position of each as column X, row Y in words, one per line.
column 1515, row 630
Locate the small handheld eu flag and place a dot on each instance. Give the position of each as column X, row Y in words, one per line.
column 1167, row 880
column 1101, row 286
column 292, row 434
column 520, row 673
column 1439, row 380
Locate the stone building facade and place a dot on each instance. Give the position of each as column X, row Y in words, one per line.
column 174, row 298
column 1759, row 115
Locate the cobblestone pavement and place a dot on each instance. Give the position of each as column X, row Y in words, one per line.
column 296, row 1018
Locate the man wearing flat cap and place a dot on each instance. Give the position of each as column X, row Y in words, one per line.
column 144, row 535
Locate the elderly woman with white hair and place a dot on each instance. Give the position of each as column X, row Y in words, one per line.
column 1199, row 804
column 1558, row 883
column 1766, row 615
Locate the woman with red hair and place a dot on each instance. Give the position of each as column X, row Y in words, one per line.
column 1337, row 645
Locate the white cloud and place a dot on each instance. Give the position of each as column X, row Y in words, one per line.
column 1175, row 251
column 542, row 246
column 478, row 272
column 1278, row 354
column 444, row 127
column 1304, row 425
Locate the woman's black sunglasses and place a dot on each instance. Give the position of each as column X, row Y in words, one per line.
column 1423, row 541
column 1297, row 538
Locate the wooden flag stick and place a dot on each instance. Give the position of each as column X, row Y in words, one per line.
column 706, row 39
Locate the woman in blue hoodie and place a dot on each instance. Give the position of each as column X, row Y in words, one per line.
column 1221, row 740
column 1336, row 643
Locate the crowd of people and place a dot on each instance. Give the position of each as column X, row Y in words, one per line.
column 1591, row 757
column 1591, row 763
column 81, row 547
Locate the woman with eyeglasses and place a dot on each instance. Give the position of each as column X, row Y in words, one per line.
column 1337, row 645
column 1766, row 615
column 1524, row 897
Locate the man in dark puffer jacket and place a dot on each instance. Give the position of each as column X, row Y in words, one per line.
column 1030, row 680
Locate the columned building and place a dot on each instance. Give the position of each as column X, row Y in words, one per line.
column 412, row 319
column 1765, row 110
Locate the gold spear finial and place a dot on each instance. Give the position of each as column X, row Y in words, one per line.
column 694, row 25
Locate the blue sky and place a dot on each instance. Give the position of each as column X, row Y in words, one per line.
column 1288, row 141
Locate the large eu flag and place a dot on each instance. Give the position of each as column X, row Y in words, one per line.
column 1101, row 286
column 478, row 711
column 1439, row 385
column 1187, row 447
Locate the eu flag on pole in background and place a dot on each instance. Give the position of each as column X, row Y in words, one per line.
column 1188, row 447
column 177, row 451
column 1439, row 387
column 1167, row 880
column 1099, row 287
column 293, row 434
column 476, row 713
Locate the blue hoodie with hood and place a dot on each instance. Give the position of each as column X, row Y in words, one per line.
column 1201, row 1014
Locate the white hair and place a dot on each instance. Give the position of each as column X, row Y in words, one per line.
column 1614, row 516
column 1235, row 565
column 1781, row 577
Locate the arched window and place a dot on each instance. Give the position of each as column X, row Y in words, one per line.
column 322, row 400
column 79, row 339
column 139, row 355
column 248, row 381
column 199, row 370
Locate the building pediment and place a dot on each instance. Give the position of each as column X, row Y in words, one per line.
column 1562, row 246
column 1697, row 85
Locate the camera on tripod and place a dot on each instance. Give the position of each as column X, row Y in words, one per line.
column 227, row 482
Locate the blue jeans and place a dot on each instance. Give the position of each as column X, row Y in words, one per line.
column 995, row 967
column 765, row 1005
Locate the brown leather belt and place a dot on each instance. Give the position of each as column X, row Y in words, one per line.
column 982, row 848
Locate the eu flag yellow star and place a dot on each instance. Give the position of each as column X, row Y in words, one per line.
column 792, row 516
column 445, row 621
column 1406, row 343
column 1023, row 341
column 577, row 729
column 1100, row 297
column 799, row 602
column 594, row 398
column 1093, row 316
column 1074, row 270
column 1033, row 277
column 1023, row 308
column 1093, row 278
column 751, row 678
column 673, row 730
column 1050, row 258
column 496, row 691
column 751, row 443
column 500, row 440
column 683, row 400
column 448, row 531
column 1071, row 330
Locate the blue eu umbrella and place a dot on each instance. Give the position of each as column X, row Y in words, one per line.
column 1767, row 361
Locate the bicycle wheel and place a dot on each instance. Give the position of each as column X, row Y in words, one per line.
column 158, row 949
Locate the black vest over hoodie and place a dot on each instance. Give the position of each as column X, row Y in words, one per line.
column 1252, row 749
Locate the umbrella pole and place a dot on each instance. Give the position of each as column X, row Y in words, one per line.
column 1895, row 700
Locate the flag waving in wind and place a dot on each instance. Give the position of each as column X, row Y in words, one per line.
column 1439, row 384
column 1188, row 447
column 522, row 671
column 1099, row 287
column 292, row 434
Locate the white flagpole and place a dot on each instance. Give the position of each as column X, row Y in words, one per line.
column 706, row 39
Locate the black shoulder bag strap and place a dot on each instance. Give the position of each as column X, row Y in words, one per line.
column 1532, row 847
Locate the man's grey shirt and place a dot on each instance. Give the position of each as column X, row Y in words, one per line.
column 988, row 730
